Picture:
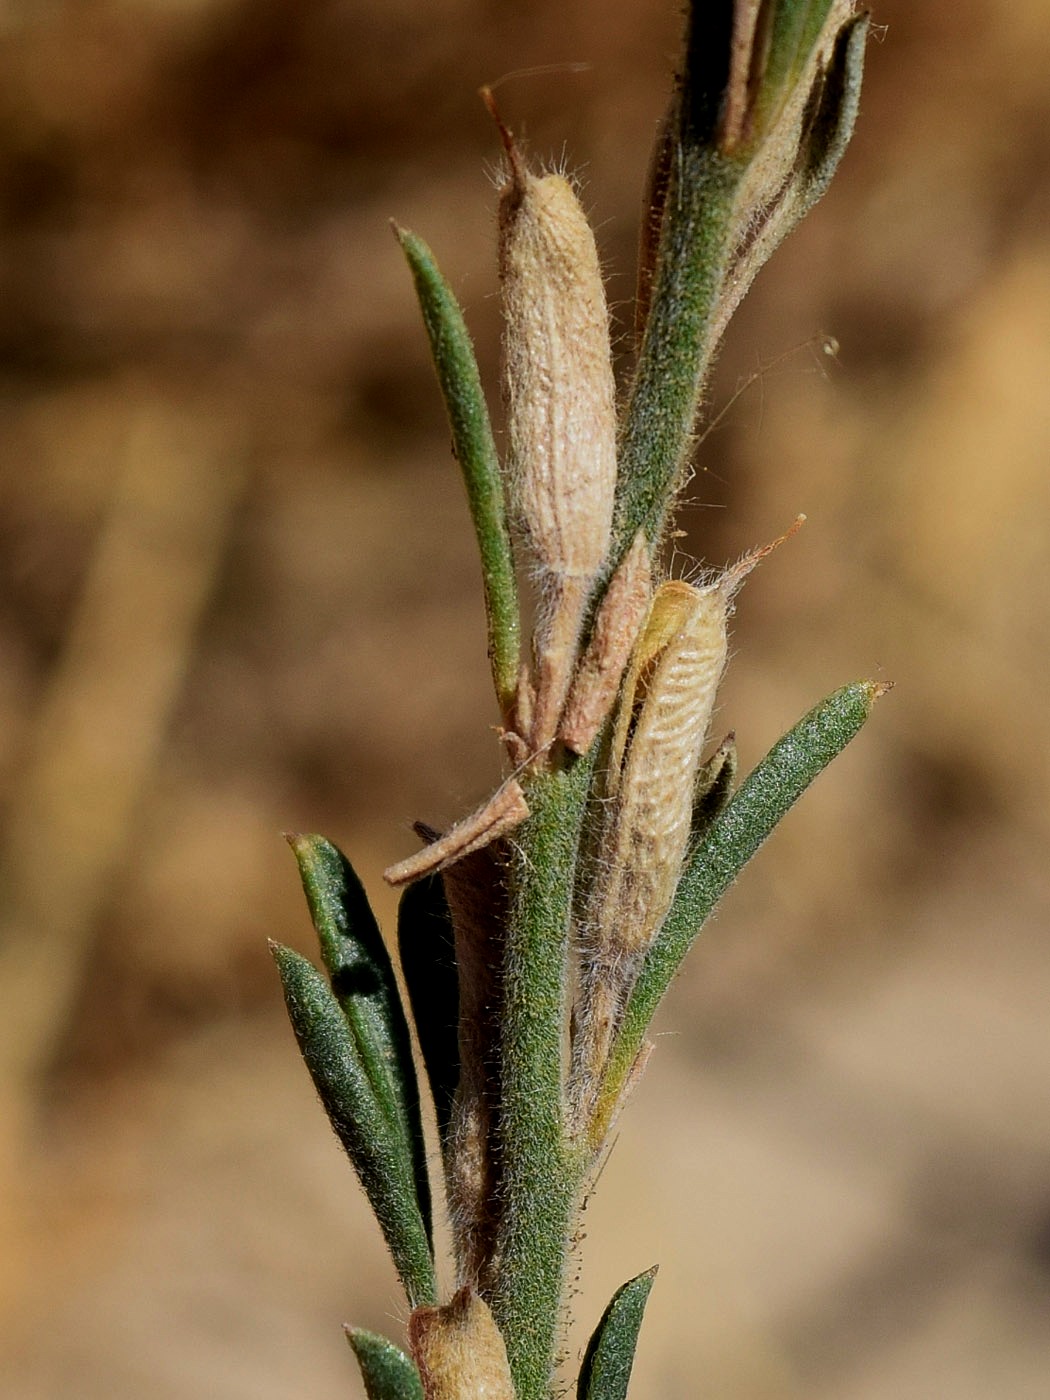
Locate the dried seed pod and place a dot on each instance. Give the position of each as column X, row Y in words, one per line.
column 655, row 759
column 459, row 1351
column 666, row 703
column 665, row 709
column 561, row 415
column 667, row 615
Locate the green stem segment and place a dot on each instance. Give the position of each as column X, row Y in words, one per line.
column 540, row 1174
column 678, row 344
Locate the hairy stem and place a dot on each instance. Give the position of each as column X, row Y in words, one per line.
column 539, row 1173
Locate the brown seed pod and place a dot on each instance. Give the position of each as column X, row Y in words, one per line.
column 561, row 414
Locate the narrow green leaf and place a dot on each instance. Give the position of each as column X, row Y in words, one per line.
column 362, row 978
column 475, row 449
column 427, row 945
column 388, row 1373
column 373, row 1144
column 764, row 797
column 607, row 1363
column 836, row 112
column 796, row 26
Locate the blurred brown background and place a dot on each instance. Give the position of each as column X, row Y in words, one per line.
column 239, row 596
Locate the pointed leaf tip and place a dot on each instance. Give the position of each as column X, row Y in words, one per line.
column 387, row 1372
column 606, row 1370
column 377, row 1150
column 364, row 984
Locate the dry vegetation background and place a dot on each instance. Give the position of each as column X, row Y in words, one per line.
column 239, row 596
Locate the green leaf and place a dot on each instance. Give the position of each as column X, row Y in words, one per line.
column 363, row 980
column 607, row 1363
column 388, row 1373
column 836, row 111
column 374, row 1145
column 764, row 797
column 475, row 449
column 427, row 945
column 795, row 27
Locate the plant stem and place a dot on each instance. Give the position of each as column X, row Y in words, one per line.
column 539, row 1173
column 676, row 351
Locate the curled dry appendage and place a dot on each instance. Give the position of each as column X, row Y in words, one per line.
column 500, row 813
column 651, row 790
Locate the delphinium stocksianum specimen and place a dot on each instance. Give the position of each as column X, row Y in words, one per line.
column 538, row 935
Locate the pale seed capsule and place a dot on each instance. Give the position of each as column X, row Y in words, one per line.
column 561, row 415
column 678, row 668
column 666, row 705
column 459, row 1351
